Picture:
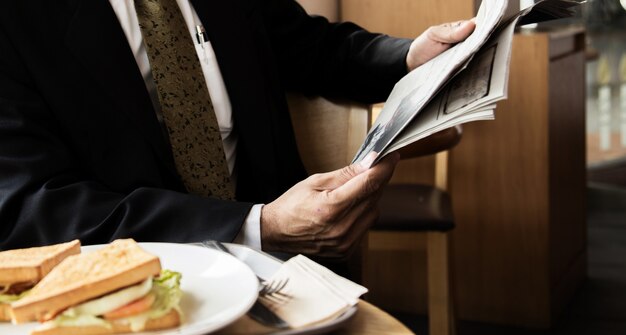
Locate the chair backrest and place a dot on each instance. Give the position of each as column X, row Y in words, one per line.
column 328, row 133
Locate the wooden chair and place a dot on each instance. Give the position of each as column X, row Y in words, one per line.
column 329, row 133
column 427, row 209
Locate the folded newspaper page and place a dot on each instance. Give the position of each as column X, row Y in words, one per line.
column 460, row 85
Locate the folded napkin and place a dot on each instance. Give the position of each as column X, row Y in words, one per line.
column 315, row 294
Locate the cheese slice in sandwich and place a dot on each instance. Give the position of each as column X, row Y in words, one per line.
column 119, row 288
column 21, row 269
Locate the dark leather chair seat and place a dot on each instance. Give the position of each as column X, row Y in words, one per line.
column 413, row 207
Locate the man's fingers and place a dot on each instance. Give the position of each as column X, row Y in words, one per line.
column 345, row 245
column 334, row 179
column 367, row 183
column 351, row 217
column 451, row 33
column 359, row 229
column 465, row 29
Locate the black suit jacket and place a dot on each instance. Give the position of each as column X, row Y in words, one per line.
column 82, row 154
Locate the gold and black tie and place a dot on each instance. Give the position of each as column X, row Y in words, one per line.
column 185, row 102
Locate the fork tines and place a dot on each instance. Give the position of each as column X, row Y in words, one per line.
column 273, row 290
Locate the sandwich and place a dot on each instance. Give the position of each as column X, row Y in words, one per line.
column 21, row 269
column 119, row 288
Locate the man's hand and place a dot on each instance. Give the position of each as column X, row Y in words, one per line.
column 326, row 214
column 436, row 40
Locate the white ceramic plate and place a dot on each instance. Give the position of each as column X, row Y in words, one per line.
column 218, row 288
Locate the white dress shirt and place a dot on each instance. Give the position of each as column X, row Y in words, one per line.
column 250, row 233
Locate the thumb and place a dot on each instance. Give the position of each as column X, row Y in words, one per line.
column 334, row 179
column 451, row 33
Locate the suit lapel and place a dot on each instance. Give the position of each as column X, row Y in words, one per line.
column 230, row 36
column 97, row 39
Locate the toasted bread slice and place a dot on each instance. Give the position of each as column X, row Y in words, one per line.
column 86, row 276
column 32, row 264
column 5, row 314
column 169, row 320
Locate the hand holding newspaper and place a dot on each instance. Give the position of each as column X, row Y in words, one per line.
column 460, row 85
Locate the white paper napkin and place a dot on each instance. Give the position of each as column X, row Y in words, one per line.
column 316, row 294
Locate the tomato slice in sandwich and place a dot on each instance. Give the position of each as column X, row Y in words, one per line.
column 133, row 308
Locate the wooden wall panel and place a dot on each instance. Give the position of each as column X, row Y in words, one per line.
column 404, row 18
column 326, row 8
column 499, row 186
column 520, row 246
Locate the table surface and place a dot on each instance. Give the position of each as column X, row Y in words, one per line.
column 368, row 320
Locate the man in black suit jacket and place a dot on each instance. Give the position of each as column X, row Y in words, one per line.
column 82, row 154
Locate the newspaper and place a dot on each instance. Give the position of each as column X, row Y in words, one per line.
column 462, row 84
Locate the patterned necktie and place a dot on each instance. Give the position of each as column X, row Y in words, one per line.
column 185, row 102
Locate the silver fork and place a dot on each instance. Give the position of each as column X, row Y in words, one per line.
column 268, row 290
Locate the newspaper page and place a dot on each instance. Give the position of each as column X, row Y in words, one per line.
column 411, row 113
column 470, row 96
column 422, row 83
